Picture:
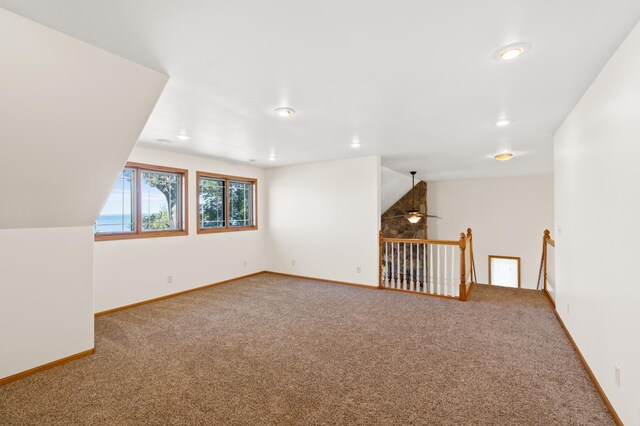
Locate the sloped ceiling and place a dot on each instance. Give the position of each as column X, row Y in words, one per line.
column 70, row 114
column 393, row 186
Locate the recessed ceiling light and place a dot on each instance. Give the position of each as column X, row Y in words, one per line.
column 165, row 141
column 503, row 122
column 285, row 112
column 272, row 158
column 512, row 51
column 356, row 144
column 504, row 156
column 183, row 137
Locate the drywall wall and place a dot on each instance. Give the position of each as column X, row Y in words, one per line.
column 597, row 209
column 45, row 296
column 131, row 271
column 508, row 217
column 393, row 186
column 325, row 217
column 70, row 114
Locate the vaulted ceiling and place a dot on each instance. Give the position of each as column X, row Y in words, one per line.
column 68, row 123
column 415, row 81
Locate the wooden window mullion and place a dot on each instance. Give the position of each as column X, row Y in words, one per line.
column 138, row 201
column 227, row 202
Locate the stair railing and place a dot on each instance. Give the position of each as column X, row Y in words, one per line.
column 548, row 266
column 442, row 268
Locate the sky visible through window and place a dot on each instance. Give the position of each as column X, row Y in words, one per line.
column 117, row 215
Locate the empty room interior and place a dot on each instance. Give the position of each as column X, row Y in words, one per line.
column 319, row 212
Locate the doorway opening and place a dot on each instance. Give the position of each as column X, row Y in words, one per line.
column 504, row 271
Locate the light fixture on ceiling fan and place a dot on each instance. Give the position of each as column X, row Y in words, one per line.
column 413, row 215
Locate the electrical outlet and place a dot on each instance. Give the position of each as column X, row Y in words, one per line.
column 358, row 270
column 169, row 279
column 617, row 372
column 293, row 262
column 244, row 263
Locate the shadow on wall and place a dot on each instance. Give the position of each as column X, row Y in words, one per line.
column 395, row 225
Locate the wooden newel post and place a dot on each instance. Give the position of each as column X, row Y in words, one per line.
column 463, row 282
column 381, row 259
column 472, row 267
column 547, row 236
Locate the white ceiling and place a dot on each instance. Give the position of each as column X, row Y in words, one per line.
column 416, row 81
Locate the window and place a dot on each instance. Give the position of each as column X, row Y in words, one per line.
column 146, row 201
column 226, row 203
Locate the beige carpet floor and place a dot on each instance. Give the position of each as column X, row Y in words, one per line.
column 274, row 350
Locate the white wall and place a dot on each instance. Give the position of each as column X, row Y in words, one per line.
column 70, row 114
column 131, row 271
column 326, row 217
column 393, row 186
column 508, row 217
column 597, row 213
column 45, row 296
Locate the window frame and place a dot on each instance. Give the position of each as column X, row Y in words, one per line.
column 227, row 179
column 139, row 233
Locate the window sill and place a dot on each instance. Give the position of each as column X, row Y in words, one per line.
column 232, row 229
column 154, row 234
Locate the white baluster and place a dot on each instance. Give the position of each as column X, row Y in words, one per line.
column 446, row 272
column 385, row 269
column 393, row 271
column 438, row 273
column 411, row 277
column 397, row 265
column 404, row 266
column 431, row 270
column 424, row 268
column 453, row 271
column 417, row 270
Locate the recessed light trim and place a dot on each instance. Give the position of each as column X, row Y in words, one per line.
column 183, row 137
column 272, row 158
column 503, row 122
column 505, row 156
column 285, row 112
column 512, row 51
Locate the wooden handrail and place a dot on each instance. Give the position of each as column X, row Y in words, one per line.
column 408, row 279
column 416, row 241
column 546, row 239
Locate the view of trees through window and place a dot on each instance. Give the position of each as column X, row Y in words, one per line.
column 161, row 204
column 150, row 199
column 212, row 203
column 225, row 202
column 240, row 208
column 158, row 195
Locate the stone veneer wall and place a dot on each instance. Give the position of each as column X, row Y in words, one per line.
column 400, row 227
